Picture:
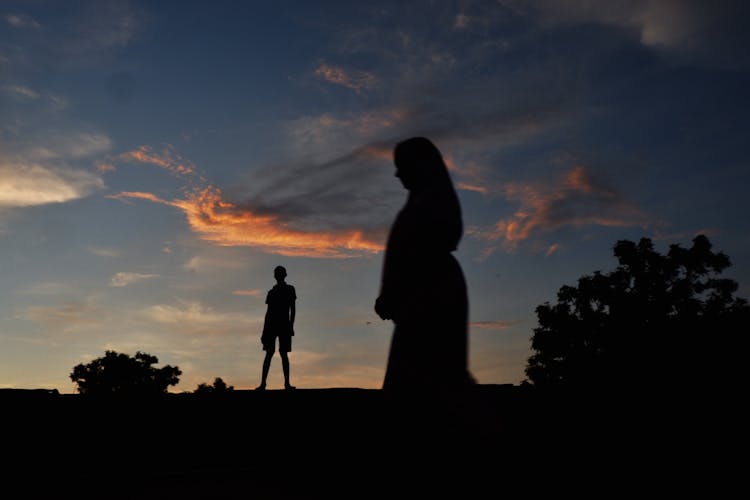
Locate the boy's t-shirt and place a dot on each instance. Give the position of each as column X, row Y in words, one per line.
column 279, row 299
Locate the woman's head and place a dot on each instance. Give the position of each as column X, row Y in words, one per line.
column 423, row 172
column 418, row 162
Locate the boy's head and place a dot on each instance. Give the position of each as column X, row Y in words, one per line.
column 279, row 272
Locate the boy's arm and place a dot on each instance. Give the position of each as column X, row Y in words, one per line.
column 292, row 311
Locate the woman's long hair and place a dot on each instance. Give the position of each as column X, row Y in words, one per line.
column 429, row 176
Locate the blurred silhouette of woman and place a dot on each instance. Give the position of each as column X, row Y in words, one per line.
column 423, row 288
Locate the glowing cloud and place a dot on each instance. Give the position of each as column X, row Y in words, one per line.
column 576, row 201
column 248, row 293
column 552, row 249
column 227, row 224
column 24, row 185
column 168, row 159
column 469, row 187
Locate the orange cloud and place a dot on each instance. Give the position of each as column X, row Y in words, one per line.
column 575, row 201
column 105, row 167
column 168, row 159
column 227, row 224
column 248, row 293
column 469, row 187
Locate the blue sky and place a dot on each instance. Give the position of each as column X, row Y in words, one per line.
column 158, row 159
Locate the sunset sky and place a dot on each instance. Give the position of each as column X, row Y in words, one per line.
column 158, row 159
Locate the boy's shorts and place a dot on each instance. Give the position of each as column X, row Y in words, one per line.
column 285, row 343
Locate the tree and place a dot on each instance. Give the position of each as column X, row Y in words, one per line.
column 219, row 387
column 120, row 374
column 656, row 320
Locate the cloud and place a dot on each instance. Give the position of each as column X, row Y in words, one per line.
column 43, row 157
column 21, row 21
column 70, row 146
column 167, row 159
column 29, row 184
column 202, row 263
column 104, row 252
column 24, row 94
column 695, row 30
column 226, row 224
column 20, row 92
column 494, row 325
column 575, row 201
column 193, row 316
column 68, row 316
column 470, row 187
column 552, row 249
column 256, row 292
column 81, row 34
column 329, row 135
column 126, row 279
column 102, row 26
column 354, row 80
column 296, row 221
column 45, row 288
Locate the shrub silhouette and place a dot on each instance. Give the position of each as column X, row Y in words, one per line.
column 120, row 374
column 219, row 387
column 655, row 321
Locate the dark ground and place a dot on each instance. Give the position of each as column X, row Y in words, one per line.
column 353, row 443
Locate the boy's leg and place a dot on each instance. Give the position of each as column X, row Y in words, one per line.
column 285, row 367
column 266, row 367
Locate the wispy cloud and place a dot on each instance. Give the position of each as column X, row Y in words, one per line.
column 167, row 159
column 102, row 26
column 103, row 166
column 494, row 325
column 68, row 316
column 195, row 315
column 552, row 249
column 44, row 288
column 20, row 92
column 25, row 94
column 352, row 79
column 21, row 21
column 470, row 187
column 70, row 146
column 577, row 200
column 256, row 292
column 332, row 134
column 125, row 279
column 104, row 252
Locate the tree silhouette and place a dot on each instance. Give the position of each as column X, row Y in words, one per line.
column 655, row 321
column 120, row 374
column 219, row 387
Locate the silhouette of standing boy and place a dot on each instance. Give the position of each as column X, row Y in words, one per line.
column 279, row 322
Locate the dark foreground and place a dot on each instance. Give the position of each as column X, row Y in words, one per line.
column 353, row 443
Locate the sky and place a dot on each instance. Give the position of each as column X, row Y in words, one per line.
column 159, row 159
